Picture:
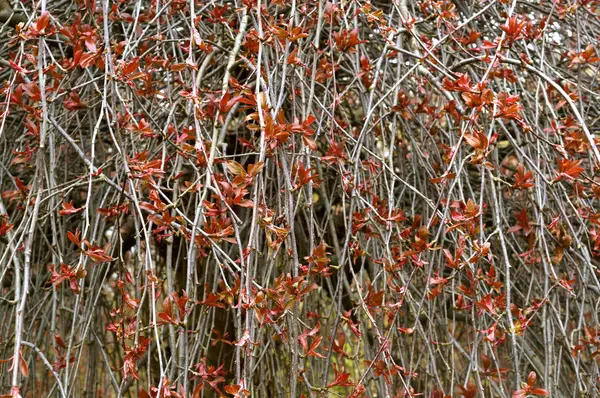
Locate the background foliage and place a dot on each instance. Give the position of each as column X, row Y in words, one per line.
column 299, row 198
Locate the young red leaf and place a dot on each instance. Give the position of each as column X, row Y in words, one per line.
column 341, row 378
column 75, row 237
column 67, row 208
column 42, row 21
column 569, row 169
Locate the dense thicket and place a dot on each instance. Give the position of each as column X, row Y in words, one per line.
column 299, row 198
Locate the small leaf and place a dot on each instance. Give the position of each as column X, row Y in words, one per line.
column 531, row 378
column 43, row 21
column 235, row 168
column 23, row 366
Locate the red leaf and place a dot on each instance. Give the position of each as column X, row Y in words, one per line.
column 18, row 68
column 513, row 28
column 341, row 379
column 569, row 169
column 69, row 209
column 541, row 392
column 519, row 394
column 23, row 366
column 73, row 102
column 244, row 340
column 59, row 341
column 477, row 140
column 43, row 21
column 90, row 43
column 98, row 255
column 74, row 237
column 531, row 378
column 523, row 179
column 314, row 345
column 468, row 392
column 131, row 66
column 5, row 227
column 487, row 304
column 235, row 168
column 143, row 394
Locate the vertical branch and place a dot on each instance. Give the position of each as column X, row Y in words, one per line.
column 507, row 280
